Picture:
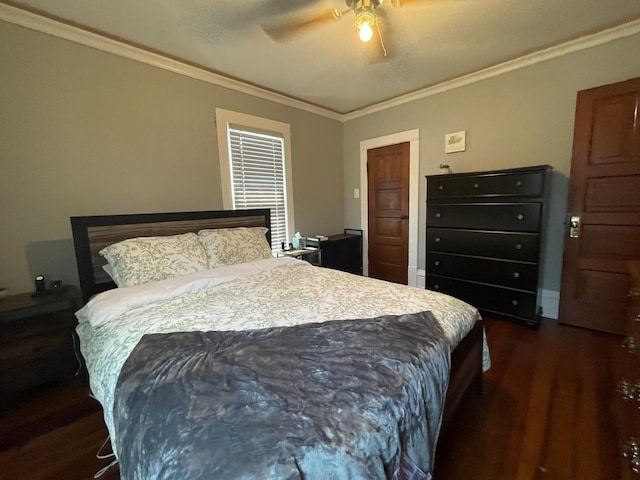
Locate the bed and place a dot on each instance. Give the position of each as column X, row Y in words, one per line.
column 266, row 368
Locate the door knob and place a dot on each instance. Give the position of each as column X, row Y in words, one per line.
column 574, row 226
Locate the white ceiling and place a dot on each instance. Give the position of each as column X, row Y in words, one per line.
column 428, row 42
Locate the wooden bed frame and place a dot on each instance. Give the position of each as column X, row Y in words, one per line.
column 91, row 234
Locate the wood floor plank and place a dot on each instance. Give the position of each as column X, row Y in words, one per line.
column 545, row 411
column 66, row 452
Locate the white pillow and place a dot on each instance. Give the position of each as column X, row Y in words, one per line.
column 229, row 246
column 147, row 259
column 108, row 270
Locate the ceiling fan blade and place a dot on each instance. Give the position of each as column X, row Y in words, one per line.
column 401, row 3
column 281, row 31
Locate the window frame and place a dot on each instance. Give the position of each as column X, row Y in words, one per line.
column 227, row 118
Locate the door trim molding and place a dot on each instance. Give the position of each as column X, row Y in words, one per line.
column 413, row 137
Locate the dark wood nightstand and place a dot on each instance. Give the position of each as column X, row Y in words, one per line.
column 37, row 342
column 340, row 252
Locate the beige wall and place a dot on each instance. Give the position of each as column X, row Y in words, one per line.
column 516, row 119
column 85, row 132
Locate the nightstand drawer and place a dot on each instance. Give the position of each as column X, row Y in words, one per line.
column 516, row 217
column 506, row 245
column 488, row 185
column 523, row 276
column 38, row 326
column 37, row 342
column 486, row 297
column 37, row 360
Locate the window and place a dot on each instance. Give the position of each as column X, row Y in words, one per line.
column 255, row 168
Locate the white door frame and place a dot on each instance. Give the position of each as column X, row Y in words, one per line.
column 413, row 137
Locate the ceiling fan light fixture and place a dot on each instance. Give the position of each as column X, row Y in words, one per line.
column 365, row 19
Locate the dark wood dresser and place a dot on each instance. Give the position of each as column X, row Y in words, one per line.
column 485, row 233
column 37, row 343
column 628, row 400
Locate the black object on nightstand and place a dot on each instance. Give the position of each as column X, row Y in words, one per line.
column 299, row 253
column 37, row 342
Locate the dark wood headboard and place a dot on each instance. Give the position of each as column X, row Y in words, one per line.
column 91, row 234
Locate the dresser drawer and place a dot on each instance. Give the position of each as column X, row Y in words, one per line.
column 505, row 245
column 634, row 313
column 500, row 300
column 627, row 398
column 506, row 273
column 489, row 185
column 517, row 217
column 626, row 405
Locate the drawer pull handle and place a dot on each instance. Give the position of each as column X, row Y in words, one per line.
column 516, row 274
column 630, row 448
column 519, row 183
column 437, row 239
column 518, row 246
column 440, row 187
column 636, row 318
column 630, row 344
column 476, row 185
column 436, row 287
column 628, row 390
column 520, row 216
column 438, row 215
column 436, row 263
column 623, row 388
column 514, row 302
column 634, row 292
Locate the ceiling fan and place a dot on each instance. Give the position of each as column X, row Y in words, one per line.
column 366, row 19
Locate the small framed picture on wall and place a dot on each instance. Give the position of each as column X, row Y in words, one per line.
column 455, row 142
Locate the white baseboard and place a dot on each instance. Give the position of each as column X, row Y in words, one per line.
column 412, row 276
column 549, row 299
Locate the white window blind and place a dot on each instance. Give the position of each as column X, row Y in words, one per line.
column 258, row 175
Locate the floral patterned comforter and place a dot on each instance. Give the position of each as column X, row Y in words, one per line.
column 276, row 292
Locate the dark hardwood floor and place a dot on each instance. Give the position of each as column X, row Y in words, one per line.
column 545, row 410
column 545, row 413
column 54, row 435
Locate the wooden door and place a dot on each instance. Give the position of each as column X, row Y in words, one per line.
column 388, row 196
column 605, row 195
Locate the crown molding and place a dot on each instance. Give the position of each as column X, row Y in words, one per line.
column 32, row 21
column 582, row 43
